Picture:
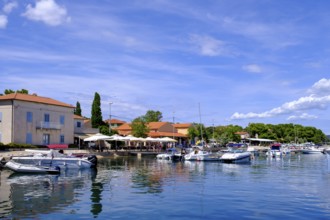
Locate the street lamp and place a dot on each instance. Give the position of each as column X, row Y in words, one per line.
column 110, row 103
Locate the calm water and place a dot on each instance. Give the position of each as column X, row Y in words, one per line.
column 294, row 187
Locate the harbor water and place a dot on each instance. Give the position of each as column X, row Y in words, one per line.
column 292, row 187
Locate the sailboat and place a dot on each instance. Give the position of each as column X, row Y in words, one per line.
column 199, row 153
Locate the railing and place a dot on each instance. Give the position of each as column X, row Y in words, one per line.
column 49, row 125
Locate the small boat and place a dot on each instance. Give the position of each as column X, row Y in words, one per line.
column 50, row 158
column 195, row 154
column 27, row 168
column 170, row 154
column 236, row 156
column 208, row 157
column 274, row 150
column 312, row 150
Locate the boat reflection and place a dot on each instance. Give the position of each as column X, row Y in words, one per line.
column 26, row 196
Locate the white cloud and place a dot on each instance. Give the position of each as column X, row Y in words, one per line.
column 9, row 7
column 3, row 21
column 322, row 87
column 303, row 116
column 48, row 12
column 208, row 46
column 303, row 103
column 252, row 68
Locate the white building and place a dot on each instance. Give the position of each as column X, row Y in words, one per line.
column 31, row 119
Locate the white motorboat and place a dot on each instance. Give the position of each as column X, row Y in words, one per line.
column 209, row 157
column 195, row 154
column 28, row 168
column 236, row 156
column 170, row 154
column 52, row 158
column 274, row 150
column 312, row 150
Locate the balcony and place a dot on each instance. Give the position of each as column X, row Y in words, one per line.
column 49, row 125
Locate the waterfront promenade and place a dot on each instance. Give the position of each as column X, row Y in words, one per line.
column 5, row 155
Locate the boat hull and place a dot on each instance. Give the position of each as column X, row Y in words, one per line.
column 27, row 168
column 63, row 163
column 244, row 157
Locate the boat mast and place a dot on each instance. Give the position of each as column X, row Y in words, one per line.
column 200, row 122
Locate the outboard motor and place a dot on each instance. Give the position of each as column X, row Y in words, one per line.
column 93, row 160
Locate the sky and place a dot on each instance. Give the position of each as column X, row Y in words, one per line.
column 217, row 62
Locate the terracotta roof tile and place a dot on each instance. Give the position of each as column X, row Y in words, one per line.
column 78, row 117
column 34, row 98
column 185, row 125
column 115, row 121
column 156, row 125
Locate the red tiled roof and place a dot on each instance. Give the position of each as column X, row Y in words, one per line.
column 115, row 121
column 185, row 125
column 34, row 98
column 241, row 132
column 78, row 117
column 125, row 126
column 156, row 125
column 165, row 134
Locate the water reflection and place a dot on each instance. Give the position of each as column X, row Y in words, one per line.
column 128, row 187
column 31, row 195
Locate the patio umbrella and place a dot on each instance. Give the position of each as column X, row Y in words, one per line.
column 167, row 139
column 152, row 139
column 116, row 138
column 97, row 137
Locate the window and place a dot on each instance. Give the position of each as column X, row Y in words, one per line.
column 28, row 138
column 46, row 139
column 62, row 119
column 62, row 138
column 46, row 121
column 46, row 118
column 78, row 124
column 29, row 117
column 0, row 116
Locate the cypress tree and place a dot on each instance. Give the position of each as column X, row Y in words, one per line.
column 77, row 110
column 96, row 118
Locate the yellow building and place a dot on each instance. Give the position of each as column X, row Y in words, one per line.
column 32, row 119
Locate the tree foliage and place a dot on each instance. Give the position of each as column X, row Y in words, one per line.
column 96, row 116
column 10, row 91
column 139, row 127
column 153, row 116
column 286, row 133
column 77, row 110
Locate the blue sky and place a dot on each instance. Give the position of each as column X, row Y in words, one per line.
column 241, row 61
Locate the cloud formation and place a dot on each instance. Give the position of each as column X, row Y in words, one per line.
column 317, row 100
column 47, row 11
column 208, row 46
column 9, row 7
column 252, row 68
column 3, row 21
column 322, row 87
column 303, row 116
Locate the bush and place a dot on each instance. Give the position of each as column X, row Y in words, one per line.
column 73, row 146
column 16, row 145
column 2, row 146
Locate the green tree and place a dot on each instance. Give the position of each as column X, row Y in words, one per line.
column 140, row 127
column 10, row 91
column 77, row 110
column 23, row 91
column 96, row 117
column 197, row 132
column 153, row 116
